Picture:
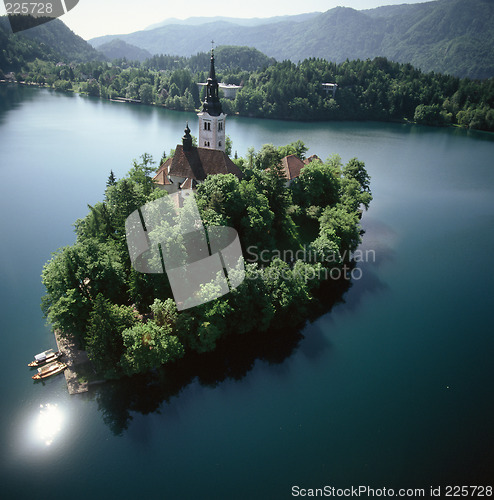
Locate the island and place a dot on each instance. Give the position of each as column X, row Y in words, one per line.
column 128, row 321
column 295, row 218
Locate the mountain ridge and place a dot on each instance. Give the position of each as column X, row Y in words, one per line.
column 118, row 49
column 52, row 41
column 253, row 21
column 449, row 36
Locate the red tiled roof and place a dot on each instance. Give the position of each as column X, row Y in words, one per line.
column 198, row 163
column 311, row 158
column 292, row 165
column 161, row 176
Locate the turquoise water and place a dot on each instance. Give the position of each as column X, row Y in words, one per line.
column 393, row 388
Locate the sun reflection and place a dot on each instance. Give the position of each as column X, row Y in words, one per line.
column 49, row 423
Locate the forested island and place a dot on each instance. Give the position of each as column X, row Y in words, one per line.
column 128, row 322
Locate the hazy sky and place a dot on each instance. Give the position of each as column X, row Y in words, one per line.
column 92, row 18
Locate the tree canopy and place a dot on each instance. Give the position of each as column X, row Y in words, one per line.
column 129, row 322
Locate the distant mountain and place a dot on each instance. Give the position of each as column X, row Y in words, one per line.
column 254, row 21
column 118, row 49
column 448, row 36
column 52, row 41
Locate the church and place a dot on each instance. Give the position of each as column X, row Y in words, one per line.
column 191, row 165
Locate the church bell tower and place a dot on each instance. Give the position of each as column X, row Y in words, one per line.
column 212, row 118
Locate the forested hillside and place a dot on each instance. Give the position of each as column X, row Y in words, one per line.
column 447, row 36
column 367, row 90
column 52, row 41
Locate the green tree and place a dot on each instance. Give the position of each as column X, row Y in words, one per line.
column 356, row 169
column 318, row 183
column 132, row 91
column 164, row 312
column 428, row 114
column 251, row 303
column 97, row 224
column 67, row 303
column 92, row 87
column 228, row 145
column 288, row 291
column 148, row 346
column 339, row 222
column 111, row 179
column 297, row 148
column 104, row 340
column 267, row 157
column 146, row 93
column 142, row 173
column 256, row 218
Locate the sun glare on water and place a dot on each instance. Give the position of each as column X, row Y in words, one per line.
column 49, row 423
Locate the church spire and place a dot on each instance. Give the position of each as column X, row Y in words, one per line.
column 187, row 139
column 212, row 104
column 211, row 117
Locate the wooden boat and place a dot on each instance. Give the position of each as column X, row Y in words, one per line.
column 45, row 357
column 49, row 370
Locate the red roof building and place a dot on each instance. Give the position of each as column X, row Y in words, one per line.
column 292, row 165
column 311, row 158
column 191, row 165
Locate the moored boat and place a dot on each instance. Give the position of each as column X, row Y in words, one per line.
column 49, row 370
column 45, row 357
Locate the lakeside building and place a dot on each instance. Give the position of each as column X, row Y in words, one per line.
column 330, row 87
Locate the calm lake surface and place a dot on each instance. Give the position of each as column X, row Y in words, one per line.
column 393, row 388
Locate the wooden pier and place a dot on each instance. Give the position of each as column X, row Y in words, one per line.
column 78, row 364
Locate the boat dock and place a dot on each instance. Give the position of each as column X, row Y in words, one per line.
column 78, row 365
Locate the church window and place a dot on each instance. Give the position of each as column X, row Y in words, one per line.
column 209, row 126
column 219, row 144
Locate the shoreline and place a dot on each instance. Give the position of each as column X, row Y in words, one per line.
column 403, row 121
column 78, row 364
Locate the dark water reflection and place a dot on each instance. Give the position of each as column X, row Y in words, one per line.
column 233, row 358
column 236, row 355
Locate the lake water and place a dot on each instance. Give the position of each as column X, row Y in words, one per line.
column 392, row 388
